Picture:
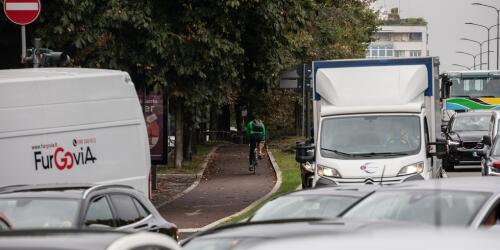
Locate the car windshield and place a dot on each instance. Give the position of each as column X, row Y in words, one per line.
column 454, row 208
column 26, row 213
column 370, row 135
column 471, row 123
column 307, row 206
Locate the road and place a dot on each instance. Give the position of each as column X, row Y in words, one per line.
column 469, row 170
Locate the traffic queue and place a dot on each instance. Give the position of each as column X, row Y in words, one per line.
column 76, row 166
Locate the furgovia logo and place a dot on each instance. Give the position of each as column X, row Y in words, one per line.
column 62, row 158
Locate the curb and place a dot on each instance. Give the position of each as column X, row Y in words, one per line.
column 195, row 183
column 249, row 207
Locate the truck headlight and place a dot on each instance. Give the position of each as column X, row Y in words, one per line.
column 327, row 172
column 415, row 168
column 308, row 167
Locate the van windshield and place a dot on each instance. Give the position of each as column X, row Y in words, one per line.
column 34, row 213
column 370, row 136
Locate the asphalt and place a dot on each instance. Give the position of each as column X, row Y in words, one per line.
column 227, row 187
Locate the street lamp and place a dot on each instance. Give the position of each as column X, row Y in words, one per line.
column 469, row 54
column 460, row 65
column 480, row 51
column 474, row 56
column 498, row 26
column 488, row 29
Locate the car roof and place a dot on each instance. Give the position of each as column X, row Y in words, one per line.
column 393, row 239
column 354, row 191
column 476, row 183
column 291, row 228
column 68, row 239
column 58, row 190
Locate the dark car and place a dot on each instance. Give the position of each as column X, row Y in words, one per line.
column 116, row 207
column 490, row 163
column 465, row 131
column 323, row 203
column 72, row 239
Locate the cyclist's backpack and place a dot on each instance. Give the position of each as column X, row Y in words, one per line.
column 258, row 126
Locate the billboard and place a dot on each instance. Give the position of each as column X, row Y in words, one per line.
column 156, row 123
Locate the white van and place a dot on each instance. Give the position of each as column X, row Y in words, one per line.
column 72, row 125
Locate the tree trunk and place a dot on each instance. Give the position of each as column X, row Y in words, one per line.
column 213, row 123
column 239, row 118
column 187, row 149
column 178, row 133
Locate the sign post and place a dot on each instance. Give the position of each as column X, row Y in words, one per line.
column 22, row 12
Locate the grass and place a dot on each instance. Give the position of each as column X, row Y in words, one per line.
column 284, row 153
column 188, row 167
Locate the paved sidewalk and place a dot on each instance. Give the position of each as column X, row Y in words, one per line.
column 226, row 188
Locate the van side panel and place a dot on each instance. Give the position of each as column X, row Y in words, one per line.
column 79, row 126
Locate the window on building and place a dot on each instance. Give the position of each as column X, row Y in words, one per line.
column 415, row 53
column 399, row 53
column 415, row 37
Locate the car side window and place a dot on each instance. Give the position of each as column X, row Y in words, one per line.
column 99, row 213
column 143, row 212
column 126, row 210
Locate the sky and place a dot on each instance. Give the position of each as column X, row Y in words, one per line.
column 446, row 23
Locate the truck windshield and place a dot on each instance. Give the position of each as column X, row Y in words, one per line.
column 370, row 136
column 475, row 87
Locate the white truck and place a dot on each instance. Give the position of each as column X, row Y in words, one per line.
column 375, row 121
column 72, row 125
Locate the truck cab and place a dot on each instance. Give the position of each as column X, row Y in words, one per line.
column 376, row 121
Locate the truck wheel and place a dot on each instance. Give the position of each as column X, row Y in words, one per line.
column 448, row 166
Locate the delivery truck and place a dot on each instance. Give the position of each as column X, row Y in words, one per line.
column 72, row 125
column 375, row 122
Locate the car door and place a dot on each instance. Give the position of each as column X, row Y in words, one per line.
column 130, row 213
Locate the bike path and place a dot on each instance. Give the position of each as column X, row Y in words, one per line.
column 227, row 187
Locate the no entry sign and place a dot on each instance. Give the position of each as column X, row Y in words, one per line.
column 22, row 12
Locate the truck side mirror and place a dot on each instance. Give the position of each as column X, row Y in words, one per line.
column 438, row 148
column 304, row 152
column 487, row 140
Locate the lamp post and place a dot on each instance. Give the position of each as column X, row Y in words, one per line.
column 460, row 65
column 480, row 51
column 469, row 54
column 498, row 26
column 487, row 29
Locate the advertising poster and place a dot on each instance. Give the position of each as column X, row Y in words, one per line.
column 156, row 125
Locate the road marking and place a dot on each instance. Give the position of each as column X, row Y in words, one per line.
column 21, row 6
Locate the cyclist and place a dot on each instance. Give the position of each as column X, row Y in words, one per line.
column 256, row 133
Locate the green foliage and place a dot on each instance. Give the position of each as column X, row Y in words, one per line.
column 204, row 52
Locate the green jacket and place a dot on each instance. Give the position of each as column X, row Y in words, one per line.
column 250, row 130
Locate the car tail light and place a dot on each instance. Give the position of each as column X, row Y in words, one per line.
column 496, row 164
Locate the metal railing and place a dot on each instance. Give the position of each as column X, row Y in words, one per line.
column 222, row 136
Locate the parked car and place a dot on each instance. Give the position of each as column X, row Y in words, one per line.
column 463, row 202
column 490, row 162
column 116, row 207
column 250, row 234
column 466, row 132
column 392, row 239
column 324, row 203
column 68, row 239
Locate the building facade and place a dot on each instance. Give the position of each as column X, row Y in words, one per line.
column 400, row 38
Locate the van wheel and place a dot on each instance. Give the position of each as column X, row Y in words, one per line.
column 448, row 166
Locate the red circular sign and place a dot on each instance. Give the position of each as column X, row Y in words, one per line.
column 22, row 12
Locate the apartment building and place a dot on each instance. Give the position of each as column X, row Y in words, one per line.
column 400, row 38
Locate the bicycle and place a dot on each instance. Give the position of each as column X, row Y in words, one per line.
column 254, row 161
